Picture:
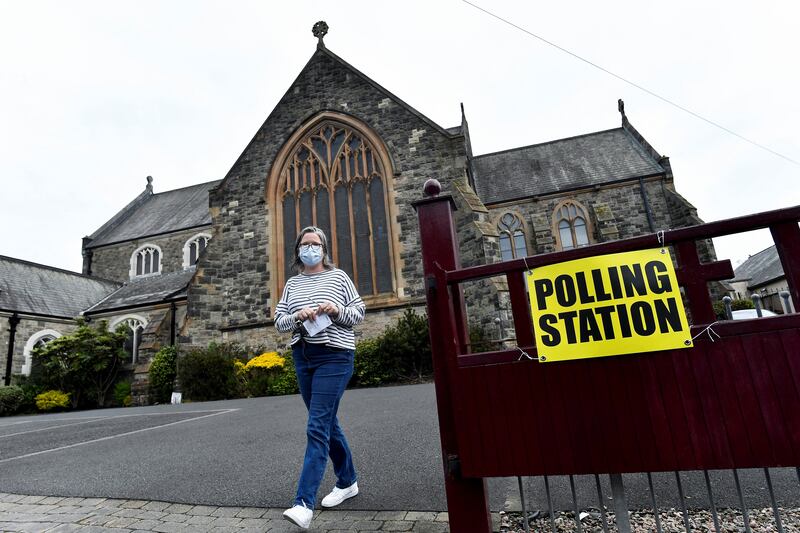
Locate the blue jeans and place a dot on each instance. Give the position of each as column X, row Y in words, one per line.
column 322, row 375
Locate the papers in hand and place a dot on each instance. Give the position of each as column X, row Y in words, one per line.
column 315, row 326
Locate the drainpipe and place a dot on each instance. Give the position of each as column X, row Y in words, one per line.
column 647, row 206
column 172, row 310
column 13, row 320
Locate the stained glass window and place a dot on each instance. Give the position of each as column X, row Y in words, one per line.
column 335, row 179
column 512, row 237
column 572, row 227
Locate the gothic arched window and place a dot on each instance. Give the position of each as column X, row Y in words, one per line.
column 146, row 261
column 335, row 176
column 572, row 225
column 135, row 326
column 512, row 237
column 193, row 248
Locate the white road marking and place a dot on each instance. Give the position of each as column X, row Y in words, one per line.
column 15, row 423
column 100, row 418
column 224, row 411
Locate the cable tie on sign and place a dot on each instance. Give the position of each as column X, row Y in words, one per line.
column 525, row 260
column 523, row 353
column 660, row 237
column 708, row 329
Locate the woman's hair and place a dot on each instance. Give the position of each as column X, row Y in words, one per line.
column 298, row 265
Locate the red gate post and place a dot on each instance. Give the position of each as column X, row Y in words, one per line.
column 467, row 503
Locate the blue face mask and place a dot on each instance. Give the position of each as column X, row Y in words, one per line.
column 310, row 255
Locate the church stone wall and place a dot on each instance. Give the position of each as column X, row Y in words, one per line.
column 27, row 328
column 155, row 336
column 114, row 262
column 375, row 322
column 616, row 212
column 232, row 287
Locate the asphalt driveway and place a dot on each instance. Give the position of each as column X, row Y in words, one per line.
column 249, row 453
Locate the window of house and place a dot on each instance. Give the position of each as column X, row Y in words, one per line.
column 571, row 225
column 512, row 237
column 146, row 261
column 335, row 178
column 193, row 248
column 135, row 326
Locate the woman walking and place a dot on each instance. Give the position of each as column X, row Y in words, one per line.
column 320, row 306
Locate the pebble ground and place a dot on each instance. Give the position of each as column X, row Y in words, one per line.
column 670, row 521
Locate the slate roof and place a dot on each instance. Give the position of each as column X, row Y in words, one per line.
column 157, row 214
column 37, row 289
column 562, row 165
column 146, row 291
column 760, row 269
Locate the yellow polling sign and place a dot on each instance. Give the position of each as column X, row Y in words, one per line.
column 607, row 305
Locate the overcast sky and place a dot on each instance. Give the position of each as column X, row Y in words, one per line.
column 95, row 96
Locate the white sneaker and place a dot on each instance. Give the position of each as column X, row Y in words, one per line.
column 338, row 495
column 299, row 515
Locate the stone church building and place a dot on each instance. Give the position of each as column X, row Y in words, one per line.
column 208, row 262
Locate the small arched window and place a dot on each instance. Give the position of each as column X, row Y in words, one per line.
column 193, row 248
column 37, row 340
column 512, row 238
column 572, row 226
column 135, row 325
column 146, row 261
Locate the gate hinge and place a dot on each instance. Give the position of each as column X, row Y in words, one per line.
column 430, row 283
column 453, row 466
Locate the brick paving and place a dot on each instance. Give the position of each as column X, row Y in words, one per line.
column 38, row 514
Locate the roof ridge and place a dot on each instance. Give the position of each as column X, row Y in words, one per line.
column 547, row 142
column 186, row 187
column 761, row 252
column 106, row 297
column 57, row 269
column 317, row 52
column 378, row 86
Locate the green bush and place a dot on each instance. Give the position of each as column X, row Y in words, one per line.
column 406, row 347
column 30, row 389
column 285, row 381
column 479, row 341
column 401, row 353
column 122, row 394
column 209, row 373
column 11, row 400
column 162, row 374
column 369, row 368
column 52, row 400
column 736, row 305
column 84, row 363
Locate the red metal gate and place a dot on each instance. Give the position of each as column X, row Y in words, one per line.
column 729, row 403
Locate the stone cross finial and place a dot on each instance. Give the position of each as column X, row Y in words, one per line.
column 319, row 30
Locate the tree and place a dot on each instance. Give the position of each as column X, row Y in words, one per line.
column 84, row 363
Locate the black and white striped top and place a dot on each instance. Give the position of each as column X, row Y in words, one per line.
column 310, row 290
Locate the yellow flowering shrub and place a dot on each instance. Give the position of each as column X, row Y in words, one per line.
column 266, row 360
column 52, row 399
column 260, row 373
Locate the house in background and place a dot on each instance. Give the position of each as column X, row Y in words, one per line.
column 762, row 274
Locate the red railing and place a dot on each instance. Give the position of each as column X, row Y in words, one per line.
column 730, row 402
